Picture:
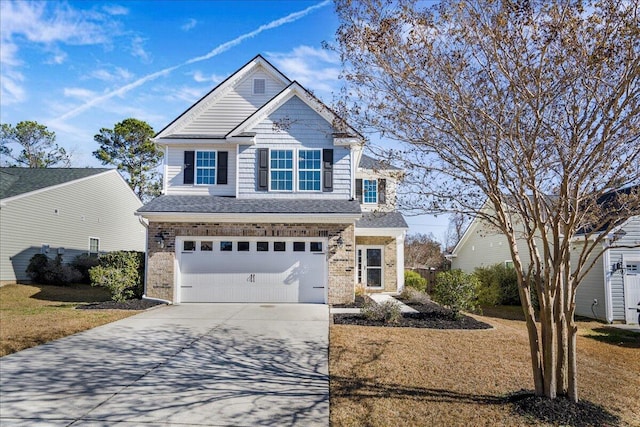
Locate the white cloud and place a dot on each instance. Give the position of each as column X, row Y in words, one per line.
column 189, row 25
column 11, row 90
column 117, row 74
column 137, row 49
column 115, row 9
column 316, row 69
column 209, row 78
column 57, row 58
column 188, row 94
column 77, row 92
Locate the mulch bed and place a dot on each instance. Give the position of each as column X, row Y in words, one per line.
column 561, row 411
column 430, row 315
column 133, row 304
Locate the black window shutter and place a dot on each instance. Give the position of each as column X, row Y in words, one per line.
column 382, row 191
column 189, row 157
column 223, row 165
column 263, row 169
column 359, row 190
column 327, row 169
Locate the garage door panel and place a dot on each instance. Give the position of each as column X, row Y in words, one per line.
column 252, row 276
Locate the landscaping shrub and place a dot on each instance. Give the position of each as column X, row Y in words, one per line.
column 83, row 263
column 498, row 285
column 46, row 271
column 387, row 312
column 122, row 272
column 414, row 295
column 456, row 290
column 414, row 280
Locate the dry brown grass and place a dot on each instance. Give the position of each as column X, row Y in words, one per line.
column 417, row 377
column 31, row 315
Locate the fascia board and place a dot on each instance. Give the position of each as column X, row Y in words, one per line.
column 250, row 217
column 387, row 232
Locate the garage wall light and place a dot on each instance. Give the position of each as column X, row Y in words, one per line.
column 340, row 242
column 160, row 240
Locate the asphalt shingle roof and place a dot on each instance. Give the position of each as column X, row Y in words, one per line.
column 215, row 204
column 367, row 162
column 16, row 181
column 381, row 220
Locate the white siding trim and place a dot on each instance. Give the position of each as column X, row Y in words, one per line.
column 400, row 261
column 606, row 262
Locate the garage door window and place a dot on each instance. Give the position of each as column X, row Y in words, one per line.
column 316, row 247
column 189, row 246
column 299, row 246
column 206, row 246
column 279, row 246
column 243, row 246
column 263, row 246
column 226, row 246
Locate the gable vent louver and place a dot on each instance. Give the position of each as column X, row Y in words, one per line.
column 259, row 86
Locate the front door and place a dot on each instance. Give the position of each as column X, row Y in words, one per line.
column 632, row 289
column 370, row 269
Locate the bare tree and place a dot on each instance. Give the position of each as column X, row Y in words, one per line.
column 523, row 112
column 457, row 225
column 422, row 251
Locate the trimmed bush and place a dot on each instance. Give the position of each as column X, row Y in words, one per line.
column 414, row 295
column 83, row 263
column 498, row 285
column 456, row 290
column 415, row 280
column 387, row 312
column 47, row 271
column 122, row 272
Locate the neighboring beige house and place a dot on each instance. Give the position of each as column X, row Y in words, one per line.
column 64, row 211
column 611, row 290
column 263, row 201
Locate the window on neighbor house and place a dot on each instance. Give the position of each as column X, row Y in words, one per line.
column 309, row 170
column 281, row 170
column 205, row 167
column 508, row 264
column 94, row 247
column 370, row 190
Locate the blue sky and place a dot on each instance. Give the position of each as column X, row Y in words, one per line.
column 80, row 66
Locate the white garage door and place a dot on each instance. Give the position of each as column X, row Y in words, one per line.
column 251, row 270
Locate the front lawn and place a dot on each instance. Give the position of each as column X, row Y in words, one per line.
column 416, row 377
column 31, row 315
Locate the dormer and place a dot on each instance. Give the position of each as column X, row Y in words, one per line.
column 376, row 184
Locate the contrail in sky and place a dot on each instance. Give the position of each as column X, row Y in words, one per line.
column 218, row 50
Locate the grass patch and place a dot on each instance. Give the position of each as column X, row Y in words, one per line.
column 413, row 377
column 614, row 336
column 31, row 315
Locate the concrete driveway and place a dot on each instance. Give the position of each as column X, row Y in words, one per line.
column 191, row 364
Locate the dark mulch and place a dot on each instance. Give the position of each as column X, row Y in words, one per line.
column 561, row 411
column 431, row 316
column 132, row 304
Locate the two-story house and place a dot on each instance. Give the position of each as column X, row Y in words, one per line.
column 263, row 200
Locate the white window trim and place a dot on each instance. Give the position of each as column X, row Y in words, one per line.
column 89, row 246
column 364, row 202
column 297, row 165
column 364, row 264
column 195, row 168
column 294, row 156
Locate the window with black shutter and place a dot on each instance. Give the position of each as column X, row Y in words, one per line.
column 382, row 191
column 359, row 190
column 263, row 169
column 189, row 157
column 223, row 166
column 327, row 169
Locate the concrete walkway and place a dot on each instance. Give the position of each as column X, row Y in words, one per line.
column 381, row 298
column 187, row 365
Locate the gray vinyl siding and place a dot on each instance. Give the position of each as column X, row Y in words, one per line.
column 484, row 247
column 592, row 287
column 101, row 206
column 632, row 228
column 175, row 172
column 306, row 130
column 234, row 106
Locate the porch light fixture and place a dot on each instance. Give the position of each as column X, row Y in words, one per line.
column 160, row 240
column 340, row 242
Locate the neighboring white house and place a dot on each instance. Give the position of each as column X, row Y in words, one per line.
column 64, row 211
column 264, row 189
column 611, row 290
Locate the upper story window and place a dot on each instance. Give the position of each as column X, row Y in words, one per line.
column 370, row 190
column 259, row 86
column 281, row 170
column 205, row 167
column 309, row 168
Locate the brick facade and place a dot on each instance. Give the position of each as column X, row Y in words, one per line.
column 161, row 260
column 390, row 260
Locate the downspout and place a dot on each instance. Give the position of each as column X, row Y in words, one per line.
column 606, row 265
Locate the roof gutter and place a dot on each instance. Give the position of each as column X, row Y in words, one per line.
column 308, row 218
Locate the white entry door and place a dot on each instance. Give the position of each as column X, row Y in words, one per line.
column 370, row 266
column 632, row 289
column 251, row 269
